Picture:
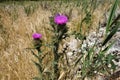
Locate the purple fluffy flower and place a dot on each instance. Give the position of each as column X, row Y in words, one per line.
column 60, row 19
column 37, row 36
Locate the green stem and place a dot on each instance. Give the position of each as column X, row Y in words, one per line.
column 56, row 60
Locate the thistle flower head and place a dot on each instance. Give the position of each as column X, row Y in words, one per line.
column 60, row 19
column 37, row 36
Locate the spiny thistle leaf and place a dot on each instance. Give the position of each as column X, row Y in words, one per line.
column 35, row 55
column 38, row 66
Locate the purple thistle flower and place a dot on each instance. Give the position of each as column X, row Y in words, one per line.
column 37, row 36
column 60, row 19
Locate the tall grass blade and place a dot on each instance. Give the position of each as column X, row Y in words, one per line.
column 108, row 47
column 111, row 34
column 111, row 16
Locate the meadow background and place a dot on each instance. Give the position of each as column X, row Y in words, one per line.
column 19, row 20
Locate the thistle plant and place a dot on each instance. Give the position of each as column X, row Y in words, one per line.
column 37, row 41
column 37, row 45
column 58, row 23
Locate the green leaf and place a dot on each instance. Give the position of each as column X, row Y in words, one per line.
column 36, row 78
column 109, row 58
column 101, row 55
column 111, row 16
column 52, row 22
column 35, row 55
column 38, row 66
column 113, row 66
column 39, row 52
column 80, row 57
column 111, row 34
column 90, row 55
column 108, row 47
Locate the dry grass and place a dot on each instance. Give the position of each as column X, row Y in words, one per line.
column 17, row 26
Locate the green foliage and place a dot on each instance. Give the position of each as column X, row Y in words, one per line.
column 37, row 78
column 38, row 66
column 111, row 16
column 93, row 62
column 113, row 31
column 30, row 9
column 87, row 9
